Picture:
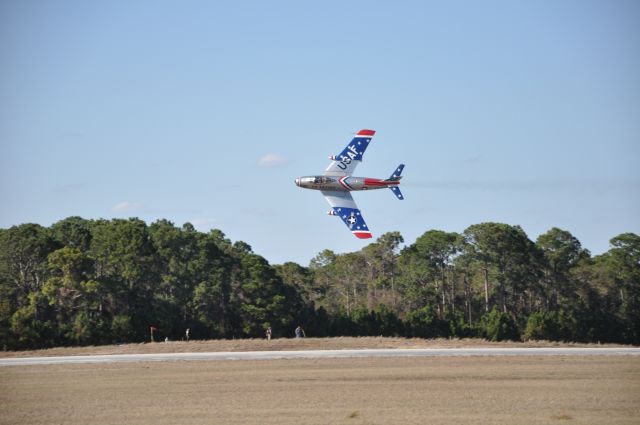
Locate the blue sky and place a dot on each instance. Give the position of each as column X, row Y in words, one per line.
column 525, row 113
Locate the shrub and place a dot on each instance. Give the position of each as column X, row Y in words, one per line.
column 499, row 326
column 424, row 323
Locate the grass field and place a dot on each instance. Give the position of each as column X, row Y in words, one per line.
column 435, row 390
column 280, row 344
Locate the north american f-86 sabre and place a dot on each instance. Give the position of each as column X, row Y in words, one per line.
column 336, row 183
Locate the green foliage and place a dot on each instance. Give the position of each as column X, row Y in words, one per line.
column 507, row 252
column 499, row 326
column 88, row 328
column 389, row 324
column 28, row 331
column 624, row 269
column 459, row 327
column 102, row 281
column 424, row 323
column 73, row 232
column 121, row 329
column 541, row 325
column 23, row 254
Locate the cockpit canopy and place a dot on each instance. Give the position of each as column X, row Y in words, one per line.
column 317, row 180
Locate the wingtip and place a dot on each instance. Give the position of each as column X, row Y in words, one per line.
column 365, row 132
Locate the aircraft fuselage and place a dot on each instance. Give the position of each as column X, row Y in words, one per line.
column 344, row 183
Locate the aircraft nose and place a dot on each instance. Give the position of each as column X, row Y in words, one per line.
column 297, row 182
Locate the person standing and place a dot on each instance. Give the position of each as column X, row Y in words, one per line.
column 269, row 333
column 186, row 334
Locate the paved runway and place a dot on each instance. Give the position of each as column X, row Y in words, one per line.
column 320, row 354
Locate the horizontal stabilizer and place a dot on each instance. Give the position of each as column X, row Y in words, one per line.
column 396, row 191
column 395, row 176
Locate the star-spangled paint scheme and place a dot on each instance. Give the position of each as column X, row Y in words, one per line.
column 336, row 183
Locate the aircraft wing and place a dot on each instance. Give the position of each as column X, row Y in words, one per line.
column 345, row 207
column 346, row 162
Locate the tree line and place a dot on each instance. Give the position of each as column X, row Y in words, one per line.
column 81, row 282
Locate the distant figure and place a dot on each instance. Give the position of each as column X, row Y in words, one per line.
column 269, row 333
column 166, row 339
column 300, row 332
column 152, row 329
column 186, row 334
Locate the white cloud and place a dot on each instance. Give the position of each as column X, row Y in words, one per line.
column 271, row 160
column 127, row 207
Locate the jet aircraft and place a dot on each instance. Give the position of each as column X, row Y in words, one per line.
column 336, row 183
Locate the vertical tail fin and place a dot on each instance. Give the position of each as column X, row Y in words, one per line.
column 397, row 173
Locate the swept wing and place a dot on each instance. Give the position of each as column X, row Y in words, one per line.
column 345, row 207
column 346, row 162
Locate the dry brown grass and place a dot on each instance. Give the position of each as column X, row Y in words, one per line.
column 435, row 390
column 282, row 344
